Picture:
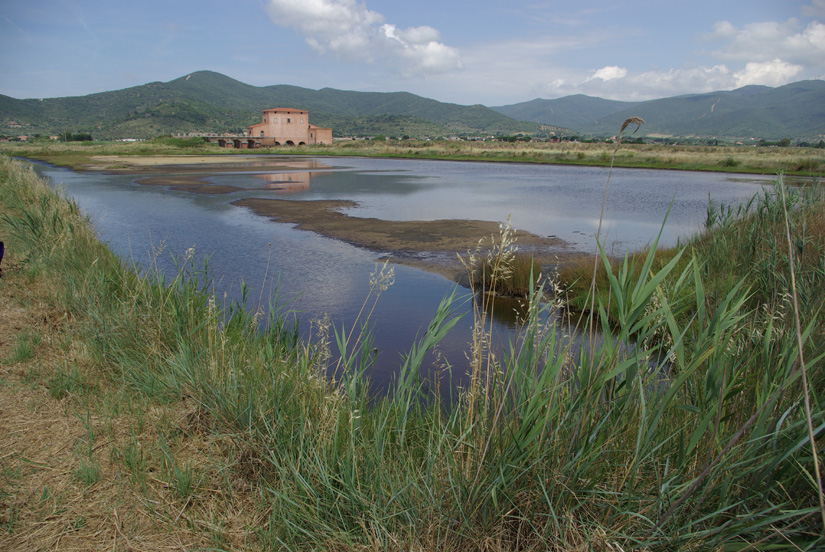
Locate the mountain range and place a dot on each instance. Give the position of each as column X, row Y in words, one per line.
column 795, row 110
column 206, row 101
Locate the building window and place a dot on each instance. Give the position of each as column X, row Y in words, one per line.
column 289, row 120
column 262, row 134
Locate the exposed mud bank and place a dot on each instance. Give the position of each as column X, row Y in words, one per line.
column 431, row 245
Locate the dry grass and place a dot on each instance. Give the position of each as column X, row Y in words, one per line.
column 68, row 443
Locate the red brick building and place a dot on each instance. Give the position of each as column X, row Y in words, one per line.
column 283, row 126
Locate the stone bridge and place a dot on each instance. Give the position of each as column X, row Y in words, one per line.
column 242, row 141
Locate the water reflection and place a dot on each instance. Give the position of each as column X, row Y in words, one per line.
column 509, row 311
column 286, row 182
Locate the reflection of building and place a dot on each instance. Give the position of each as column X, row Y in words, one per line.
column 287, row 182
column 287, row 127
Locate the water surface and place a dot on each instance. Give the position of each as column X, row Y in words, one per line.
column 313, row 275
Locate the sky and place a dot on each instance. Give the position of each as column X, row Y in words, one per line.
column 491, row 52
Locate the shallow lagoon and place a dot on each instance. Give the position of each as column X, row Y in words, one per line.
column 313, row 275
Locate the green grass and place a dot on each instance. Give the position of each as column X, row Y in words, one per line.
column 548, row 448
column 87, row 472
column 23, row 350
column 133, row 459
column 68, row 382
column 518, row 279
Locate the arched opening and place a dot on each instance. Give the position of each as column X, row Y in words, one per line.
column 262, row 134
column 302, row 143
column 222, row 143
column 277, row 143
column 236, row 144
column 251, row 144
column 289, row 143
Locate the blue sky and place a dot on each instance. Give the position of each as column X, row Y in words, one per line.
column 462, row 51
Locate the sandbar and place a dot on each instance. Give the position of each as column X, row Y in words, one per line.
column 433, row 245
column 189, row 184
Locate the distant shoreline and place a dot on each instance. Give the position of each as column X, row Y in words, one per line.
column 769, row 161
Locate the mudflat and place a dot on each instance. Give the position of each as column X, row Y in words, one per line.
column 190, row 184
column 433, row 245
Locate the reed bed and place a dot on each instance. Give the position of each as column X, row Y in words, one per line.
column 806, row 162
column 684, row 431
column 755, row 159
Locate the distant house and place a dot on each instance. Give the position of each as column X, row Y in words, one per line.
column 283, row 126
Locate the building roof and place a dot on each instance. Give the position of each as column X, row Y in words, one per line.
column 286, row 110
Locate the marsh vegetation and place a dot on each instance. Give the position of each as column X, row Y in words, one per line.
column 809, row 162
column 181, row 417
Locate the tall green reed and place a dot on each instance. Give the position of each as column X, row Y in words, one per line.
column 683, row 429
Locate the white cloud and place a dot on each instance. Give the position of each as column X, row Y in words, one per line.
column 679, row 81
column 413, row 35
column 770, row 40
column 626, row 85
column 722, row 30
column 347, row 29
column 620, row 84
column 506, row 71
column 609, row 72
column 769, row 73
column 339, row 26
column 420, row 50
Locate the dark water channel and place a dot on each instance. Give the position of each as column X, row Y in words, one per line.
column 313, row 275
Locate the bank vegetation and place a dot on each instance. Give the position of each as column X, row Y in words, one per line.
column 791, row 161
column 141, row 412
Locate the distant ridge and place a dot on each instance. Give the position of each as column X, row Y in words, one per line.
column 211, row 102
column 205, row 101
column 576, row 112
column 795, row 110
